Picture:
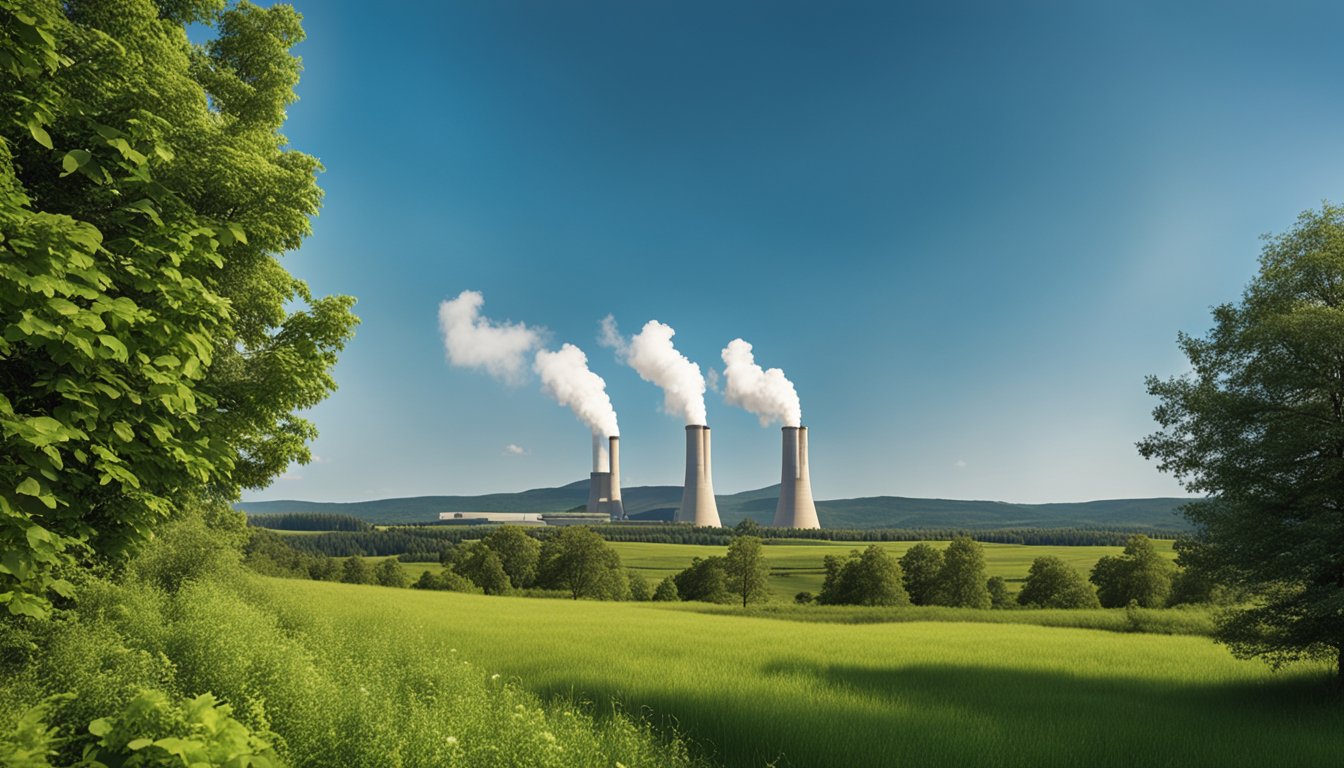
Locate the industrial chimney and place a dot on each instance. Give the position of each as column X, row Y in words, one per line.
column 698, row 506
column 796, row 508
column 604, row 484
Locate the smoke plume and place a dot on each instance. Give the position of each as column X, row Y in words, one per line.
column 472, row 341
column 565, row 377
column 651, row 353
column 765, row 393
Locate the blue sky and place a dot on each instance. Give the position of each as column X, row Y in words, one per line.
column 966, row 231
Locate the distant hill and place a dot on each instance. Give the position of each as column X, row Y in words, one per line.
column 659, row 502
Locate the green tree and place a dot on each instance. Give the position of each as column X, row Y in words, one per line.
column 518, row 553
column 920, row 566
column 961, row 580
column 1257, row 426
column 388, row 573
column 578, row 560
column 871, row 577
column 999, row 596
column 666, row 591
column 746, row 570
column 704, row 580
column 639, row 586
column 481, row 565
column 1141, row 574
column 356, row 571
column 1052, row 583
column 152, row 348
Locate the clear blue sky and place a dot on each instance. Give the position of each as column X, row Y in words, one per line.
column 966, row 231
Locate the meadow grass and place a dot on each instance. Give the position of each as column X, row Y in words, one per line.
column 753, row 691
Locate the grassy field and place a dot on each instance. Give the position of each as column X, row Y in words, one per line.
column 752, row 691
column 796, row 566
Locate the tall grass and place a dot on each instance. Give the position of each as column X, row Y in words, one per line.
column 750, row 691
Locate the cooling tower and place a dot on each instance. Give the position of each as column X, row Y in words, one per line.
column 698, row 506
column 796, row 508
column 604, row 484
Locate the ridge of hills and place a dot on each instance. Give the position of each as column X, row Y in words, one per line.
column 659, row 502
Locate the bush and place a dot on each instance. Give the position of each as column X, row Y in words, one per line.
column 667, row 591
column 704, row 580
column 387, row 573
column 998, row 592
column 804, row 598
column 1051, row 583
column 639, row 586
column 447, row 581
column 355, row 571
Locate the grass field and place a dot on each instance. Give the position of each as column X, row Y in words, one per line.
column 796, row 566
column 752, row 691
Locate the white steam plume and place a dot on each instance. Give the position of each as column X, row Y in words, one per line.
column 765, row 393
column 651, row 353
column 565, row 377
column 472, row 341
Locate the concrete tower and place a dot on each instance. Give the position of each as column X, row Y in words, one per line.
column 698, row 506
column 604, row 484
column 796, row 508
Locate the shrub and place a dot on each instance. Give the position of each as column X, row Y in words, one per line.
column 387, row 573
column 804, row 598
column 998, row 592
column 639, row 586
column 1051, row 583
column 704, row 580
column 355, row 571
column 667, row 591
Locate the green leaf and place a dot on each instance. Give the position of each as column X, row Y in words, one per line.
column 29, row 487
column 123, row 431
column 100, row 727
column 40, row 135
column 73, row 160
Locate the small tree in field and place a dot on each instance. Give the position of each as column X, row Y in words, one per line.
column 920, row 567
column 518, row 553
column 746, row 570
column 578, row 560
column 481, row 565
column 388, row 573
column 1258, row 427
column 871, row 577
column 639, row 586
column 666, row 591
column 355, row 571
column 1140, row 575
column 999, row 596
column 961, row 581
column 1051, row 583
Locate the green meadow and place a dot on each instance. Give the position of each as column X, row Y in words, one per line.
column 752, row 690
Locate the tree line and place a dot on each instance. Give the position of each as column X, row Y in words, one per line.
column 308, row 521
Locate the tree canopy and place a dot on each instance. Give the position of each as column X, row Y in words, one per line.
column 920, row 566
column 961, row 581
column 1139, row 574
column 870, row 577
column 746, row 570
column 1052, row 583
column 579, row 561
column 1257, row 426
column 153, row 346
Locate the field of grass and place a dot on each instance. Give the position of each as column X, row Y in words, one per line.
column 751, row 691
column 796, row 565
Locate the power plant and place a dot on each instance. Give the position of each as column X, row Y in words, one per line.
column 796, row 508
column 604, row 484
column 698, row 506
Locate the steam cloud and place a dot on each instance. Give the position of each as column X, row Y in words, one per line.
column 565, row 377
column 472, row 341
column 651, row 353
column 765, row 393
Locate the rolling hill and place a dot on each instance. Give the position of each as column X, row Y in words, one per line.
column 659, row 501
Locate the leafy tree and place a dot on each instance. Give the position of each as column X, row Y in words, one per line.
column 961, row 580
column 804, row 598
column 639, row 586
column 1258, row 427
column 705, row 580
column 388, row 573
column 518, row 553
column 747, row 527
column 355, row 571
column 1189, row 586
column 746, row 570
column 1051, row 583
column 871, row 577
column 666, row 591
column 1141, row 575
column 445, row 581
column 577, row 560
column 999, row 596
column 152, row 346
column 482, row 566
column 920, row 567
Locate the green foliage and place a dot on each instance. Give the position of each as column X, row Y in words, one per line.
column 961, row 580
column 387, row 573
column 920, row 567
column 152, row 730
column 705, row 580
column 577, row 560
column 355, row 571
column 804, row 598
column 270, row 554
column 308, row 521
column 1258, row 427
column 667, row 591
column 999, row 597
column 30, row 742
column 149, row 348
column 481, row 565
column 447, row 581
column 871, row 577
column 519, row 554
column 745, row 570
column 1051, row 583
column 639, row 586
column 1140, row 574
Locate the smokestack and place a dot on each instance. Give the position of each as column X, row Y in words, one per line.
column 796, row 508
column 614, row 506
column 698, row 506
column 597, row 481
